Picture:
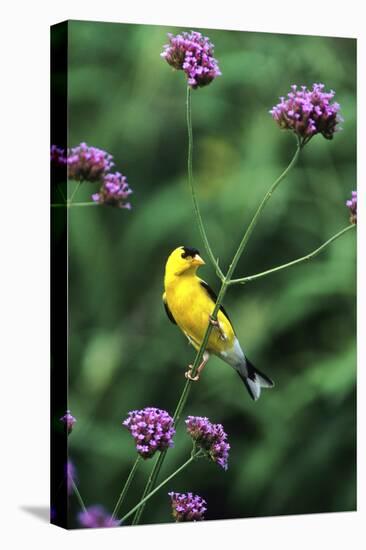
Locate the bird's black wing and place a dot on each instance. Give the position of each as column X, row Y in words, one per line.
column 212, row 294
column 168, row 312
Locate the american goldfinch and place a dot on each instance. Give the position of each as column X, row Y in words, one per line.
column 189, row 303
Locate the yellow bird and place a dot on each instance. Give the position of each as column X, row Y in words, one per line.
column 189, row 303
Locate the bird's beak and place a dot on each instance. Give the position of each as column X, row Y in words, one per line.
column 197, row 260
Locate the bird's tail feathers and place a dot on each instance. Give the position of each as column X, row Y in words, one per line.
column 253, row 379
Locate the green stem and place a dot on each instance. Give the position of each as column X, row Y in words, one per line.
column 74, row 192
column 260, row 208
column 149, row 485
column 149, row 495
column 61, row 192
column 211, row 255
column 294, row 262
column 225, row 283
column 84, row 204
column 127, row 484
column 69, row 205
column 78, row 495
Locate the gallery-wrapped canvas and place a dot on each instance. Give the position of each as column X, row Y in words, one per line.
column 203, row 231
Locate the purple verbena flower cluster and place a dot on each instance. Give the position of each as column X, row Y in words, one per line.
column 211, row 438
column 58, row 156
column 187, row 507
column 88, row 163
column 96, row 516
column 114, row 191
column 92, row 164
column 152, row 430
column 308, row 112
column 352, row 206
column 68, row 421
column 192, row 53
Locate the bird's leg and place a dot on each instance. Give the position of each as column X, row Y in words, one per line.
column 216, row 324
column 188, row 375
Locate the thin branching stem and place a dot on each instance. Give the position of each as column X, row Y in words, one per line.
column 126, row 486
column 78, row 495
column 149, row 485
column 69, row 202
column 309, row 256
column 74, row 192
column 58, row 187
column 150, row 494
column 197, row 212
column 70, row 205
column 259, row 210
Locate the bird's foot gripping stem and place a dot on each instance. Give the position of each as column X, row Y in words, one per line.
column 215, row 323
column 189, row 376
column 195, row 378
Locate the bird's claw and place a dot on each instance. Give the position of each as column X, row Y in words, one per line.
column 189, row 376
column 216, row 324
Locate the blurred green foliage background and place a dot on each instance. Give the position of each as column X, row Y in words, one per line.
column 294, row 450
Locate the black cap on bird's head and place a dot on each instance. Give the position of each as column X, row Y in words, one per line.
column 192, row 256
column 182, row 259
column 192, row 252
